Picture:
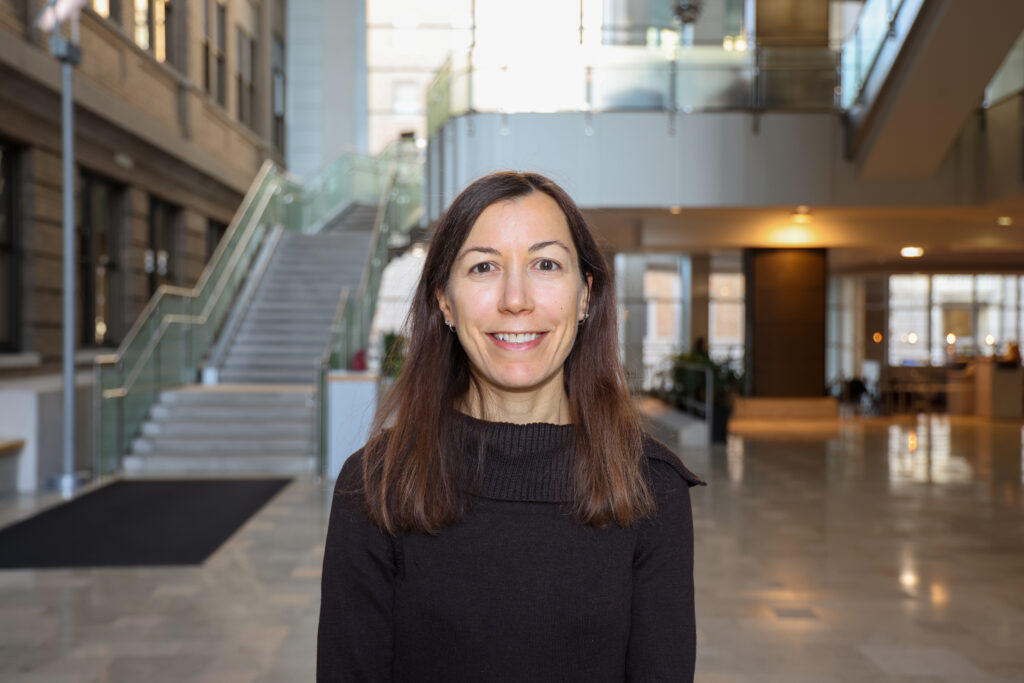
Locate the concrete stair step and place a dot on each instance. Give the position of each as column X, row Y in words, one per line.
column 283, row 315
column 227, row 428
column 184, row 463
column 299, row 445
column 224, row 394
column 272, row 350
column 268, row 375
column 199, row 412
column 302, row 363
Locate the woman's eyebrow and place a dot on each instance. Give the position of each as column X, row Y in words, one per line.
column 483, row 250
column 542, row 245
column 494, row 252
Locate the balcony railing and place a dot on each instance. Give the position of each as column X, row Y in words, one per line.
column 627, row 78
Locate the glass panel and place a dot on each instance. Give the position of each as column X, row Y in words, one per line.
column 908, row 320
column 627, row 78
column 952, row 288
column 712, row 78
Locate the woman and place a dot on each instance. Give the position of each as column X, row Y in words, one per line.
column 513, row 523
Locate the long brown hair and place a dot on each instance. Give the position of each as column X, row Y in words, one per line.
column 413, row 474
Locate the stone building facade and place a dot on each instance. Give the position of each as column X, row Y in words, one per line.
column 177, row 104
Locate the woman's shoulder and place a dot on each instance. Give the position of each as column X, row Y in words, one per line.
column 350, row 478
column 664, row 468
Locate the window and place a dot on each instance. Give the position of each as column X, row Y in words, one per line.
column 207, row 47
column 99, row 246
column 154, row 28
column 220, row 46
column 277, row 94
column 936, row 319
column 10, row 271
column 406, row 98
column 244, row 80
column 215, row 231
column 111, row 9
column 142, row 37
column 726, row 312
column 162, row 262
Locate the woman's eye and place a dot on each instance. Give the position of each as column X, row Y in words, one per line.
column 548, row 264
column 481, row 268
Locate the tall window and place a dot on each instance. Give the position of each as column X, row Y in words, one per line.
column 110, row 9
column 219, row 52
column 215, row 231
column 154, row 28
column 277, row 94
column 10, row 276
column 726, row 311
column 162, row 256
column 99, row 267
column 207, row 48
column 243, row 78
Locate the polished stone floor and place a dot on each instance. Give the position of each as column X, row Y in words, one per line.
column 886, row 550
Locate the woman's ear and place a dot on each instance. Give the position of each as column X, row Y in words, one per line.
column 445, row 305
column 585, row 297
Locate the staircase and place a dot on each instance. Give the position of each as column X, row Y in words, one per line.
column 261, row 415
column 288, row 324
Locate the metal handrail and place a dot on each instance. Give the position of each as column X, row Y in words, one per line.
column 164, row 290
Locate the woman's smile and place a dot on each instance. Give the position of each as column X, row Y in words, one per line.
column 520, row 341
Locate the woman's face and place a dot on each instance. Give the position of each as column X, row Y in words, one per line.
column 515, row 295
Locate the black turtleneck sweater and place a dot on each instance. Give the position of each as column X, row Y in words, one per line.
column 517, row 591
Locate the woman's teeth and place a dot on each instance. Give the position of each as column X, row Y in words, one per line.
column 516, row 338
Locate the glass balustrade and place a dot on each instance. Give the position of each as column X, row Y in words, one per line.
column 623, row 78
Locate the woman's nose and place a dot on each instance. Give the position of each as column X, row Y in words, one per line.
column 515, row 295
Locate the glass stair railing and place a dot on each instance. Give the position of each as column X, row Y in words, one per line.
column 881, row 23
column 169, row 342
column 399, row 211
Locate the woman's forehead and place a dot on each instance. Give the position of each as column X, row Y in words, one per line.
column 520, row 222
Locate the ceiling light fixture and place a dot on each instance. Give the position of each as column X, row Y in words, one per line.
column 675, row 210
column 802, row 214
column 1005, row 221
column 911, row 252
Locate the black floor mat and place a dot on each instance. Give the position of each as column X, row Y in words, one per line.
column 137, row 523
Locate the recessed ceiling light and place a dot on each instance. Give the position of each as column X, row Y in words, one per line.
column 1004, row 220
column 911, row 252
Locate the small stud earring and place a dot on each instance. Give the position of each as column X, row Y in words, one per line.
column 450, row 324
column 581, row 320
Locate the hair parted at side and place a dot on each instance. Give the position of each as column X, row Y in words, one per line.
column 411, row 481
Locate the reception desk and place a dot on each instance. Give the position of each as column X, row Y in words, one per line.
column 998, row 389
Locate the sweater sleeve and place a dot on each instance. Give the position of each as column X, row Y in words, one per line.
column 663, row 633
column 354, row 641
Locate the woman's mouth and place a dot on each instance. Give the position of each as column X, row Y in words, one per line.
column 517, row 341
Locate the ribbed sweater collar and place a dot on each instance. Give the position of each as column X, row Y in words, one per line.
column 529, row 463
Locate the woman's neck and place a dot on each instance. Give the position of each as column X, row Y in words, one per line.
column 547, row 403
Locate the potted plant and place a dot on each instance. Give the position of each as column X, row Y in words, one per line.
column 688, row 390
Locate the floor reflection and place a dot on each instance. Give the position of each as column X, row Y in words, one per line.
column 892, row 551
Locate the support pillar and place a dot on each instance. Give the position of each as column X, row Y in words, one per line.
column 785, row 321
